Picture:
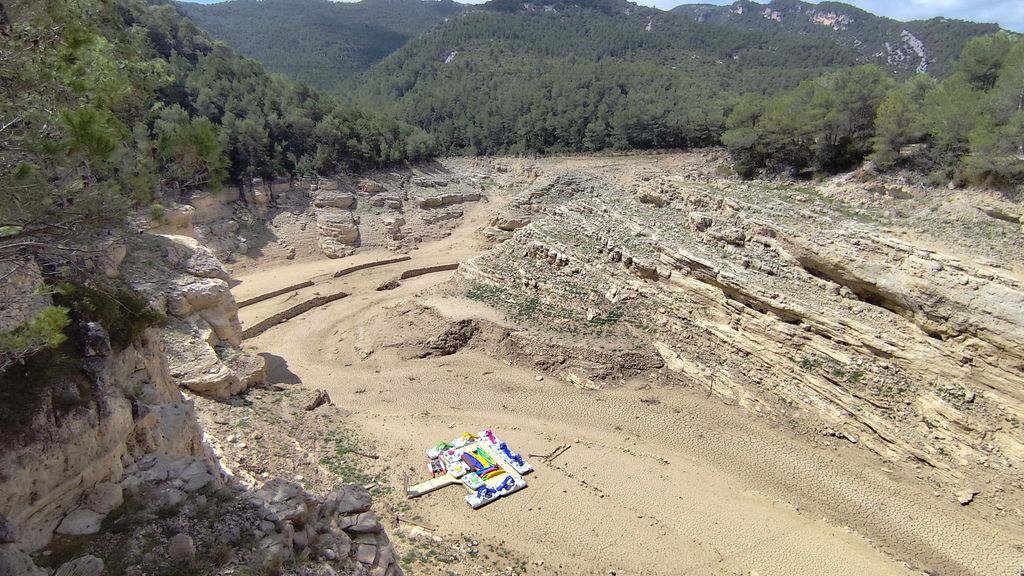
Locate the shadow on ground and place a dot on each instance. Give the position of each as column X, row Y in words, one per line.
column 277, row 370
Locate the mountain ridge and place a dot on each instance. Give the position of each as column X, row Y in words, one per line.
column 913, row 46
column 327, row 44
column 318, row 41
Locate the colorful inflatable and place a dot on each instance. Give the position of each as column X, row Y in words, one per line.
column 483, row 463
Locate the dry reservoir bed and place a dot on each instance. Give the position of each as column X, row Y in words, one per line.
column 735, row 402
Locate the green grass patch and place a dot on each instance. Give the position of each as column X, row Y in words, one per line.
column 485, row 293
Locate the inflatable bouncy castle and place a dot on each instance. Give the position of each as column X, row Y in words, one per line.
column 483, row 463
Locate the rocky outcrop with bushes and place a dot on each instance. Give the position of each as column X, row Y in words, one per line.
column 184, row 280
column 104, row 468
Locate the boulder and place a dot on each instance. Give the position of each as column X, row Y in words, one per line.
column 332, row 199
column 334, row 545
column 285, row 502
column 181, row 549
column 393, row 222
column 965, row 497
column 392, row 202
column 365, row 522
column 14, row 562
column 700, row 221
column 368, row 186
column 366, row 553
column 509, row 223
column 337, row 232
column 87, row 565
column 348, row 500
column 80, row 522
column 104, row 498
column 426, row 201
column 653, row 198
column 195, row 476
column 325, row 185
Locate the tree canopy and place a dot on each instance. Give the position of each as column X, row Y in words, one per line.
column 106, row 103
column 967, row 128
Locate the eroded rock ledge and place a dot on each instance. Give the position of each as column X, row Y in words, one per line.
column 108, row 448
column 184, row 280
column 806, row 316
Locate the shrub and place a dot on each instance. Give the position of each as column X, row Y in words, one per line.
column 158, row 214
column 46, row 330
column 123, row 312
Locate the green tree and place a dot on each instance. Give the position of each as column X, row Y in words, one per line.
column 898, row 121
column 190, row 150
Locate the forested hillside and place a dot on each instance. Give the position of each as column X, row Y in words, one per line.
column 547, row 76
column 966, row 128
column 930, row 46
column 605, row 75
column 108, row 103
column 318, row 41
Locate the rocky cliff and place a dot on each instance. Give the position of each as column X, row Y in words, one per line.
column 803, row 314
column 104, row 461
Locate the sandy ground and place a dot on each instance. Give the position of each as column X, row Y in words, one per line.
column 657, row 480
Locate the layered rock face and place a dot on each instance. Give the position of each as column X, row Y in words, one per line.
column 184, row 280
column 338, row 233
column 337, row 226
column 394, row 210
column 807, row 316
column 65, row 471
column 104, row 444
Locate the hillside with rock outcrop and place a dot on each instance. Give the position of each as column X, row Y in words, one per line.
column 785, row 305
column 104, row 455
column 919, row 46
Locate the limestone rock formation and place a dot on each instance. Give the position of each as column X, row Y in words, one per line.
column 426, row 200
column 110, row 438
column 509, row 222
column 334, row 527
column 338, row 232
column 174, row 219
column 211, row 206
column 69, row 480
column 368, row 186
column 333, row 199
column 203, row 332
column 802, row 313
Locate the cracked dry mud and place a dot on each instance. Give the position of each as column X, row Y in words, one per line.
column 752, row 376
